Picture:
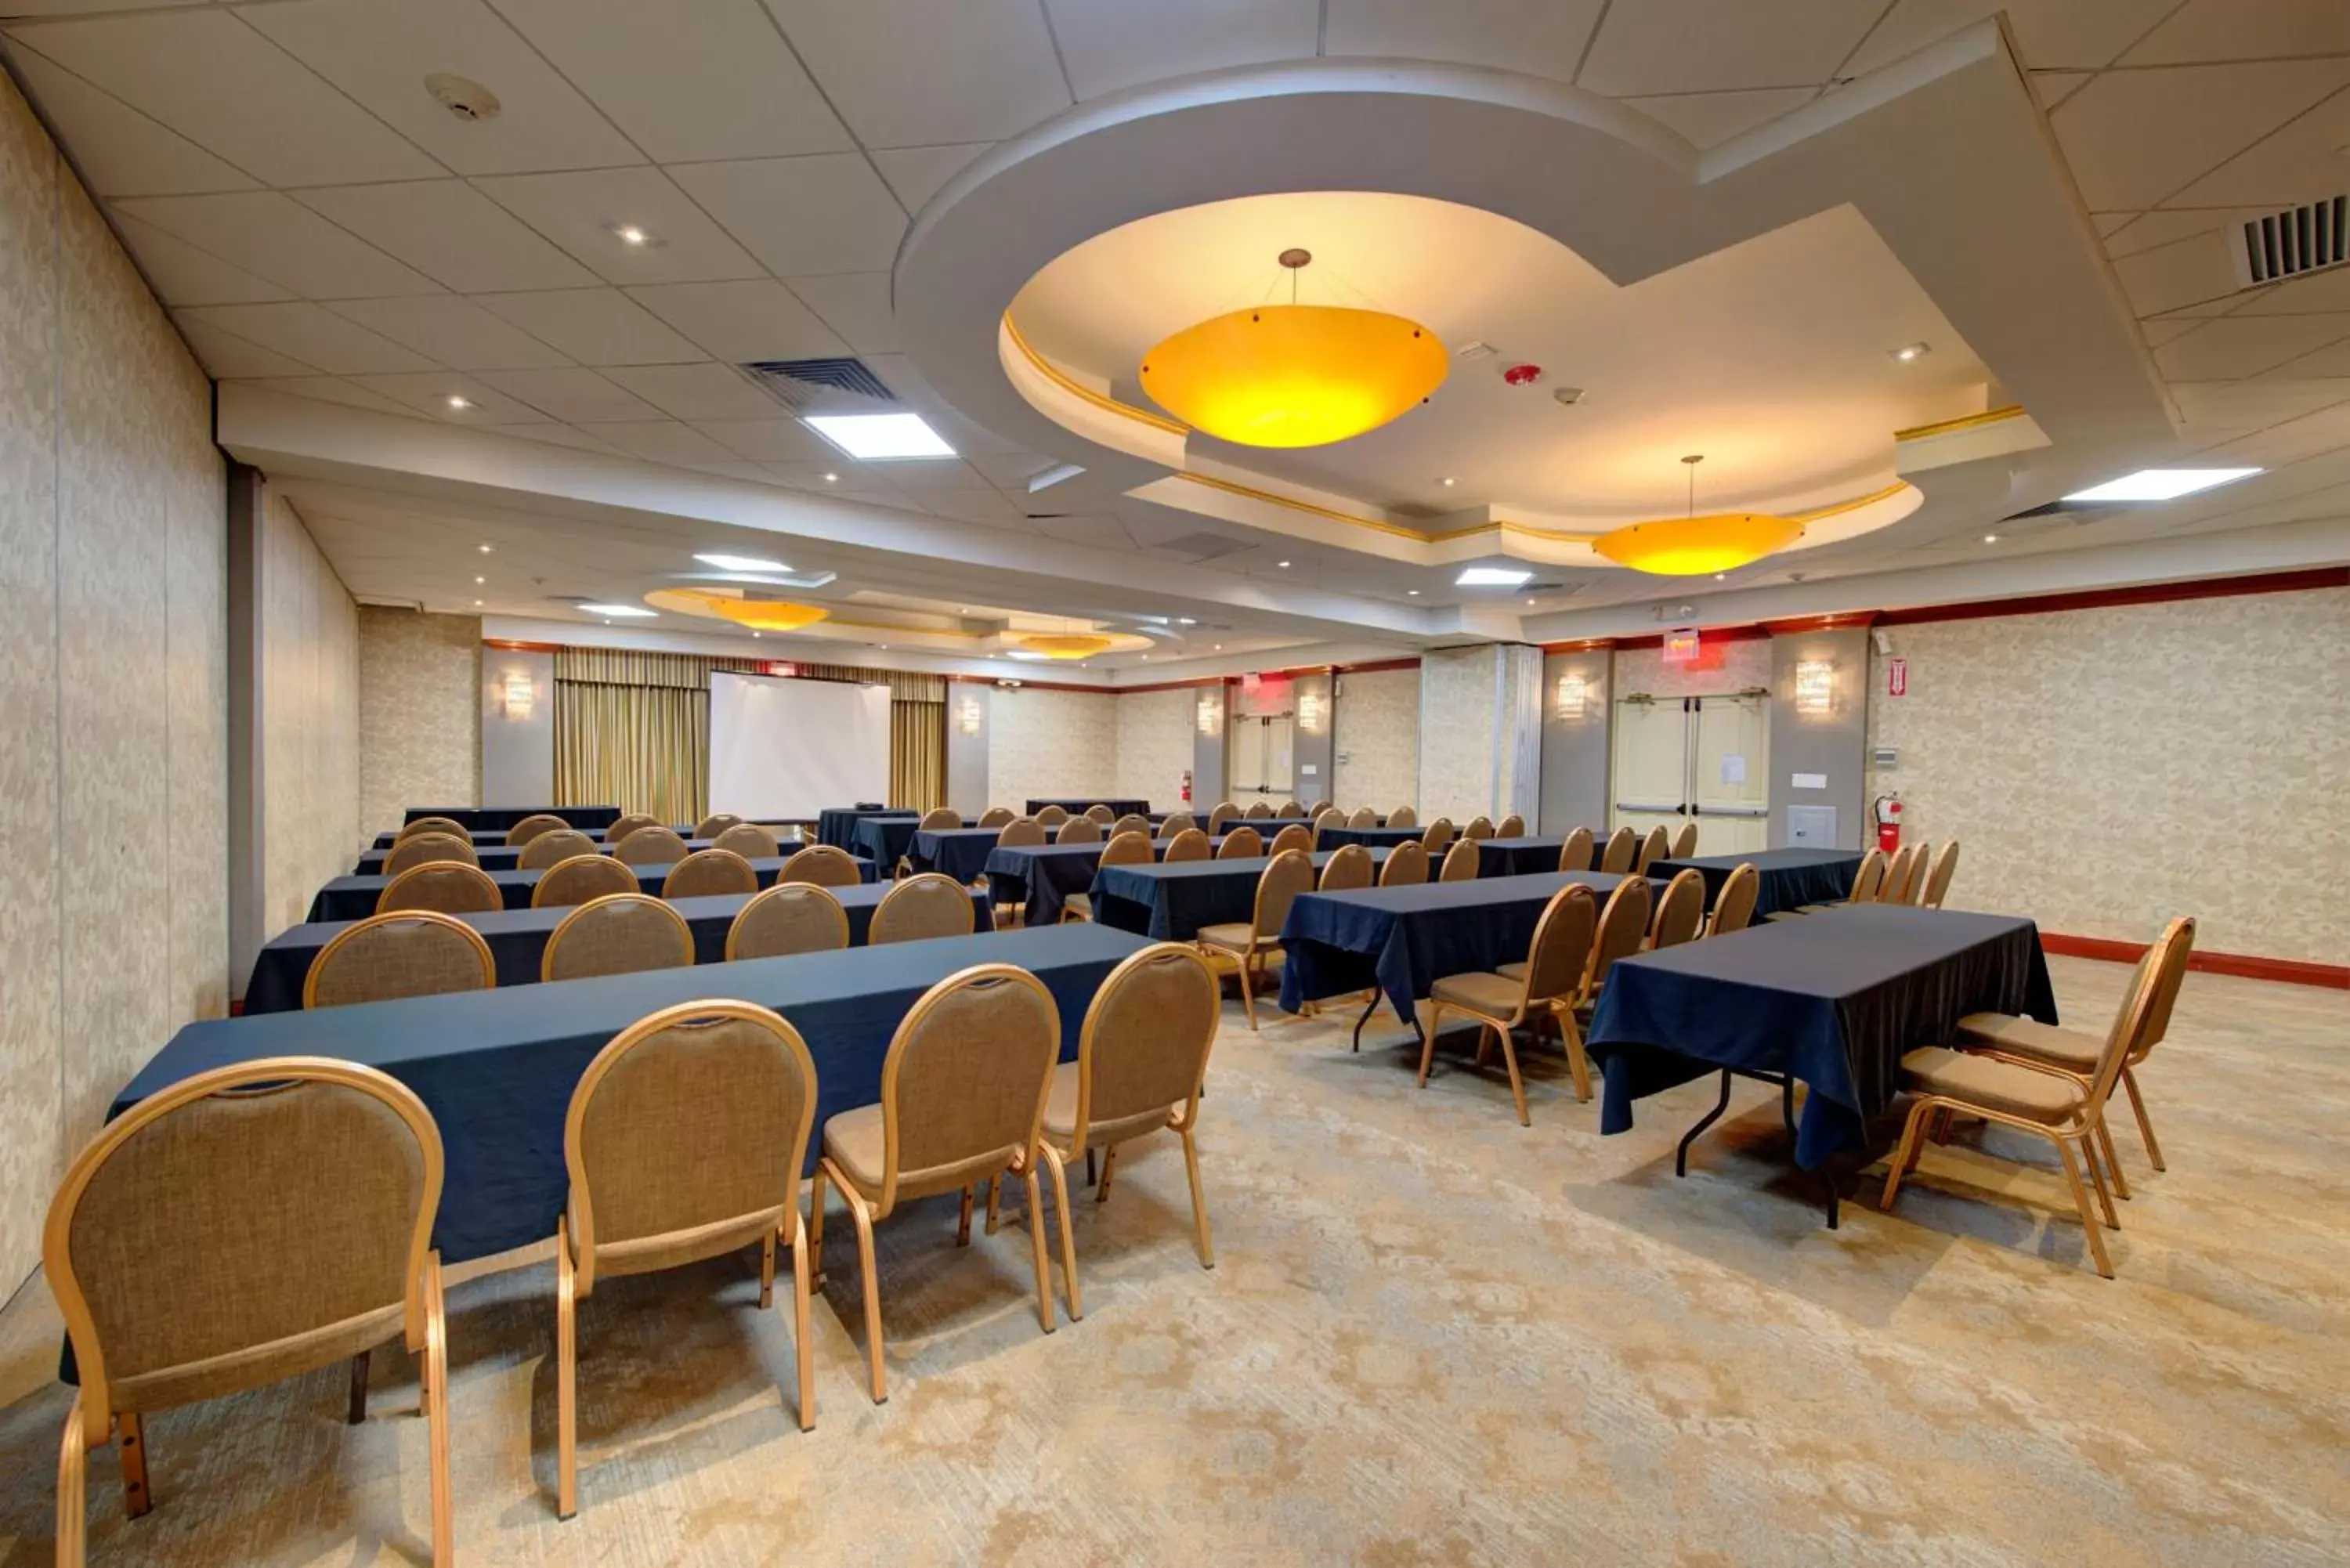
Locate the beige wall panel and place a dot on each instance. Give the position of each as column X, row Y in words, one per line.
column 310, row 726
column 1456, row 733
column 419, row 713
column 1155, row 731
column 1375, row 732
column 1054, row 743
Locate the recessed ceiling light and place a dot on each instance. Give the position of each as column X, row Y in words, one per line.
column 1909, row 353
column 1024, row 655
column 755, row 637
column 631, row 235
column 626, row 611
column 742, row 562
column 1490, row 577
column 1283, row 564
column 1185, row 620
column 477, row 603
column 484, row 549
column 1412, row 592
column 2161, row 484
column 880, row 437
column 1220, row 648
column 479, row 581
column 454, row 401
column 1530, row 601
column 1718, row 575
column 1146, row 656
column 1448, row 482
column 1991, row 538
column 832, row 479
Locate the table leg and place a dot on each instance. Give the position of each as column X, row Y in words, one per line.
column 1366, row 1018
column 1681, row 1154
column 1787, row 1103
column 1827, row 1178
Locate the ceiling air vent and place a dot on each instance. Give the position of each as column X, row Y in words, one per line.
column 803, row 384
column 2291, row 242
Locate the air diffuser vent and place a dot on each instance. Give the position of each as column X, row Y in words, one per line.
column 2300, row 240
column 802, row 384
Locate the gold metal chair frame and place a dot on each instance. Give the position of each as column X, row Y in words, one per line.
column 555, row 937
column 359, row 928
column 788, row 892
column 478, row 879
column 1559, row 1009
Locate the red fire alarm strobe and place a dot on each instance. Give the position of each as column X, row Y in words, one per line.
column 1522, row 375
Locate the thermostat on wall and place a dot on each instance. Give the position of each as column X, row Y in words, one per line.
column 1885, row 757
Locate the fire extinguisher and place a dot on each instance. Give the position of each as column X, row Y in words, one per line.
column 1187, row 786
column 1887, row 808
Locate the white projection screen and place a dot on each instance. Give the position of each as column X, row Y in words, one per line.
column 782, row 750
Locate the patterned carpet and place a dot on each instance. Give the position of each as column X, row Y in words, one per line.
column 1433, row 1336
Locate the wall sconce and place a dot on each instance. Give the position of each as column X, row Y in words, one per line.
column 1815, row 686
column 1212, row 716
column 520, row 692
column 1310, row 711
column 1573, row 693
column 970, row 715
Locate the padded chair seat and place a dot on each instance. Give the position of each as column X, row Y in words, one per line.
column 2002, row 1086
column 1077, row 906
column 2065, row 1048
column 1495, row 995
column 1516, row 971
column 1234, row 936
column 852, row 1140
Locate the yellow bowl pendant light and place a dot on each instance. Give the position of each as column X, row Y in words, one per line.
column 1059, row 645
column 1691, row 546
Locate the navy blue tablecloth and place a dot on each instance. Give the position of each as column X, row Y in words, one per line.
column 1170, row 903
column 517, row 939
column 1833, row 999
column 1369, row 837
column 837, row 826
column 881, row 839
column 1525, row 857
column 1404, row 939
column 354, row 897
column 501, row 817
column 961, row 853
column 496, row 1068
column 1790, row 878
column 495, row 837
column 1078, row 804
column 494, row 857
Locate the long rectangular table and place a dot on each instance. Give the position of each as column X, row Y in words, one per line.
column 1526, row 855
column 517, row 939
column 958, row 852
column 1790, row 878
column 494, row 857
column 1170, row 903
column 1369, row 837
column 354, row 897
column 502, row 817
column 495, row 837
column 882, row 839
column 1041, row 876
column 837, row 825
column 1078, row 804
column 496, row 1068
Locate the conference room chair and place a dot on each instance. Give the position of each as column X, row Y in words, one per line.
column 1652, row 849
column 628, row 822
column 716, row 822
column 2065, row 1109
column 1053, row 817
column 1680, row 913
column 1349, row 867
column 1132, row 822
column 1364, row 817
column 1733, row 907
column 788, row 917
column 1684, row 842
column 940, row 819
column 1142, row 1055
column 1574, row 854
column 1544, row 987
column 1939, row 878
column 1101, row 814
column 522, row 832
column 2076, row 1054
column 416, row 952
column 1623, row 848
column 996, row 817
column 963, row 1101
column 1127, row 847
column 1176, row 823
column 1257, row 810
column 448, row 825
column 749, row 840
column 1077, row 830
column 1190, row 844
column 824, row 865
column 1437, row 835
column 1511, row 826
column 1407, row 866
column 1240, row 844
column 1328, row 817
column 709, row 872
column 1289, row 808
column 423, row 849
column 653, row 845
column 1459, row 862
column 442, row 884
column 194, row 1252
column 920, row 908
column 1403, row 817
column 684, row 1141
column 553, row 847
column 1023, row 831
column 1295, row 836
column 1480, row 826
column 582, row 879
column 1623, row 923
column 1222, row 812
column 1249, row 948
column 620, row 933
column 1913, row 889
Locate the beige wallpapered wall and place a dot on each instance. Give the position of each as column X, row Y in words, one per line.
column 2104, row 770
column 1742, row 666
column 113, row 680
column 1155, row 734
column 309, row 719
column 1050, row 743
column 1456, row 733
column 419, row 713
column 1375, row 739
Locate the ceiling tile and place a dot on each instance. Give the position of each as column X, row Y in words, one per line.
column 315, row 335
column 767, row 441
column 327, row 388
column 452, row 233
column 1012, row 469
column 970, row 506
column 1539, row 38
column 856, row 305
column 81, row 7
column 1709, row 119
column 579, row 212
column 2158, row 333
column 2304, row 296
column 120, row 151
column 456, row 332
column 273, row 236
column 1912, row 24
column 1709, row 46
column 2302, row 162
column 2149, row 230
column 2133, row 138
column 914, row 73
column 2240, row 346
column 808, row 473
column 665, row 441
column 183, row 274
column 704, row 391
column 429, row 392
column 2203, row 30
column 2053, row 88
column 688, row 83
column 829, row 212
column 380, row 51
column 741, row 323
column 251, row 102
column 224, row 354
column 2055, row 35
column 593, row 326
column 2207, row 406
column 558, row 435
column 578, row 397
column 2110, row 223
column 919, row 173
column 927, row 476
column 2333, row 360
column 1108, row 45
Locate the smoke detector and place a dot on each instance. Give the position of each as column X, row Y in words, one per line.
column 1570, row 396
column 463, row 96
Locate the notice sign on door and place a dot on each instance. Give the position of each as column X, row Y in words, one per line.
column 1897, row 678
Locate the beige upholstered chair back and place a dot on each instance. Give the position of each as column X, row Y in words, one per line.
column 1480, row 826
column 1574, row 854
column 1459, row 862
column 1127, row 847
column 1145, row 1044
column 442, row 884
column 582, row 879
column 920, row 908
column 1681, row 911
column 962, row 1089
column 1222, row 812
column 1289, row 874
column 2177, row 945
column 1733, row 907
column 1407, row 866
column 1132, row 822
column 1020, row 830
column 1189, row 845
column 1684, row 842
column 553, row 846
column 1938, row 878
column 651, row 847
column 716, row 822
column 1869, row 877
column 1240, row 844
column 1349, row 866
column 244, row 1225
column 1511, row 826
column 788, row 917
column 823, row 865
column 1289, row 808
column 447, row 825
column 706, row 872
column 1364, row 817
column 1562, row 945
column 1653, row 848
column 620, row 933
column 1436, row 836
column 1295, row 836
column 1177, row 822
column 423, row 849
column 749, row 840
column 1328, row 817
column 1053, row 815
column 1895, row 888
column 685, row 1137
column 942, row 820
column 2145, row 1011
column 1623, row 848
column 1101, row 814
column 1318, row 808
column 1077, row 830
column 628, row 823
column 996, row 816
column 1913, row 891
column 417, row 952
column 1258, row 810
column 1403, row 817
column 1622, row 923
column 530, row 828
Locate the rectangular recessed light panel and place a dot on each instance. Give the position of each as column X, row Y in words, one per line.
column 1490, row 577
column 877, row 438
column 621, row 612
column 2161, row 484
column 742, row 562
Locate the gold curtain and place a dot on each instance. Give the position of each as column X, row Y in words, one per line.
column 640, row 748
column 918, row 755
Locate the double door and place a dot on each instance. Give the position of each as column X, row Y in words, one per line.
column 1701, row 759
column 1262, row 761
